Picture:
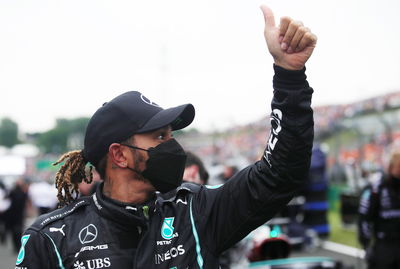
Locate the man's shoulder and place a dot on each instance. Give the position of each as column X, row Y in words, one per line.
column 186, row 188
column 61, row 213
column 189, row 187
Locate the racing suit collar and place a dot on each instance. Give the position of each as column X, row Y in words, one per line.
column 173, row 195
column 129, row 215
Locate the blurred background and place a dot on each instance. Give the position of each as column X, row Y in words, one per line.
column 61, row 60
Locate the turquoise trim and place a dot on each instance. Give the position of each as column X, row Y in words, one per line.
column 213, row 187
column 58, row 254
column 21, row 253
column 292, row 261
column 196, row 238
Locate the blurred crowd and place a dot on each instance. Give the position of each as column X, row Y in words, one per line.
column 25, row 198
column 361, row 156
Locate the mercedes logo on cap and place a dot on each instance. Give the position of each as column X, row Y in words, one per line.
column 147, row 101
column 88, row 234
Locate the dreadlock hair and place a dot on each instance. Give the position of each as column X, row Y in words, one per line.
column 71, row 173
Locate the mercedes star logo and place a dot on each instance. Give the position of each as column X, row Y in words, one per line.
column 88, row 234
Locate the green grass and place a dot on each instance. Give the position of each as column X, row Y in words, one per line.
column 340, row 234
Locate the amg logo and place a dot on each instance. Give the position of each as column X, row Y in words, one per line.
column 171, row 253
column 94, row 247
column 89, row 248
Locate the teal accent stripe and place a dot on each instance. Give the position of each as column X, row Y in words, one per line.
column 58, row 254
column 196, row 237
column 21, row 253
column 213, row 187
column 291, row 261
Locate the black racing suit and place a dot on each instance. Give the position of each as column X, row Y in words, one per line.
column 379, row 223
column 192, row 225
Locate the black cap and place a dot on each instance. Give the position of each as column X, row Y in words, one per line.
column 128, row 114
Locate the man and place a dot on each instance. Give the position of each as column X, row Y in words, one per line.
column 15, row 215
column 316, row 195
column 379, row 222
column 127, row 224
column 195, row 171
column 228, row 172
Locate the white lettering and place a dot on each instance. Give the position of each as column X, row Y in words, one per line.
column 159, row 258
column 90, row 264
column 276, row 127
column 164, row 242
column 167, row 255
column 62, row 214
column 277, row 116
column 98, row 263
column 174, row 252
column 107, row 262
column 181, row 250
column 171, row 253
column 90, row 248
column 272, row 141
column 96, row 202
column 94, row 247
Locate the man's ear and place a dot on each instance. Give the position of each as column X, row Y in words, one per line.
column 118, row 155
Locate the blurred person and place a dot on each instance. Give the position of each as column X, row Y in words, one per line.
column 141, row 216
column 316, row 195
column 195, row 171
column 228, row 172
column 15, row 214
column 4, row 205
column 43, row 196
column 379, row 219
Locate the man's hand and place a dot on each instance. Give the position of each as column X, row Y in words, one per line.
column 291, row 44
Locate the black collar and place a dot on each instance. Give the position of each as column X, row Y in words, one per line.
column 126, row 214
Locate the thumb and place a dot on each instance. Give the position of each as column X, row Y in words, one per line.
column 268, row 17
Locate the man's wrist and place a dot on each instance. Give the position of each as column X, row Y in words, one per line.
column 288, row 67
column 289, row 79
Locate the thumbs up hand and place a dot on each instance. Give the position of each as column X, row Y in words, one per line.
column 291, row 44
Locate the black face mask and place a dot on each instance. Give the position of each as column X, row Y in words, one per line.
column 165, row 166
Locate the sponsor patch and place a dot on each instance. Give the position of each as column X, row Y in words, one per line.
column 93, row 264
column 169, row 254
column 21, row 253
column 167, row 230
column 88, row 234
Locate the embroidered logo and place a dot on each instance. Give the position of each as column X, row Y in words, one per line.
column 21, row 254
column 54, row 229
column 88, row 234
column 79, row 265
column 167, row 230
column 276, row 118
column 147, row 101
